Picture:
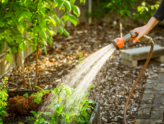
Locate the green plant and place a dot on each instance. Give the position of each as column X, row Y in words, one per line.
column 122, row 7
column 13, row 27
column 19, row 16
column 80, row 55
column 41, row 24
column 145, row 10
column 3, row 99
column 63, row 113
column 21, row 105
column 40, row 95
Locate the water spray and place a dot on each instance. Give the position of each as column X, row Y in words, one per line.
column 119, row 43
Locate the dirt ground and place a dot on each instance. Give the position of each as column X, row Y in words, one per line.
column 113, row 90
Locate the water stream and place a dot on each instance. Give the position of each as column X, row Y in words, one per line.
column 82, row 76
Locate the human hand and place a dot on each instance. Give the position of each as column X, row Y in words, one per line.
column 141, row 32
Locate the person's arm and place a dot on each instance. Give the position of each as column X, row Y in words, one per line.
column 158, row 16
column 145, row 29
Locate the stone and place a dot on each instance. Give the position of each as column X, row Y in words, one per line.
column 129, row 63
column 131, row 56
column 146, row 105
column 149, row 121
column 143, row 113
column 159, row 100
column 150, row 86
column 158, row 107
column 157, row 114
column 160, row 59
column 147, row 98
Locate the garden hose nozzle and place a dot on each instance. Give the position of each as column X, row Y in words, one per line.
column 119, row 42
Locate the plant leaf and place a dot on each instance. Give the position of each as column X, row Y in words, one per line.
column 61, row 30
column 22, row 46
column 42, row 34
column 73, row 19
column 66, row 33
column 76, row 10
column 8, row 57
column 45, row 50
column 68, row 5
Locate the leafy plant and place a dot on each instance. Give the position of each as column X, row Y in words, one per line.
column 80, row 55
column 145, row 10
column 18, row 17
column 21, row 105
column 40, row 95
column 63, row 113
column 41, row 25
column 3, row 99
column 13, row 16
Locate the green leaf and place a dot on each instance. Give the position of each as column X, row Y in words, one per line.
column 56, row 90
column 2, row 24
column 28, row 40
column 2, row 45
column 66, row 33
column 90, row 87
column 8, row 57
column 13, row 50
column 57, row 19
column 76, row 10
column 59, row 109
column 9, row 14
column 36, row 29
column 62, row 22
column 34, row 113
column 42, row 34
column 45, row 50
column 49, row 40
column 42, row 23
column 22, row 46
column 7, row 37
column 25, row 95
column 53, row 21
column 73, row 19
column 66, row 17
column 60, row 3
column 61, row 30
column 67, row 117
column 68, row 5
column 21, row 29
column 51, row 32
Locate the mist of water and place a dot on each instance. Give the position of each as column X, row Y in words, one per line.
column 82, row 77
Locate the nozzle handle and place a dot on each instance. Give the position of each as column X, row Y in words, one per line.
column 146, row 39
column 130, row 35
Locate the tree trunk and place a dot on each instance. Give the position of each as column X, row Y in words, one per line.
column 121, row 34
column 36, row 75
column 22, row 71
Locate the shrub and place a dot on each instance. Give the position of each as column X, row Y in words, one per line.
column 22, row 105
column 3, row 99
column 145, row 10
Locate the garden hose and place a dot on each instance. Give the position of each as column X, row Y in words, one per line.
column 118, row 43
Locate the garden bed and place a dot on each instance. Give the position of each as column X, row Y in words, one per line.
column 19, row 118
column 113, row 83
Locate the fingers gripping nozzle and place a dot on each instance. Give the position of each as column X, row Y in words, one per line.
column 119, row 42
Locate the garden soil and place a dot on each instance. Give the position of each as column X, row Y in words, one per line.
column 114, row 81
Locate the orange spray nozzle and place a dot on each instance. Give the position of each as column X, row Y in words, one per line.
column 118, row 43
